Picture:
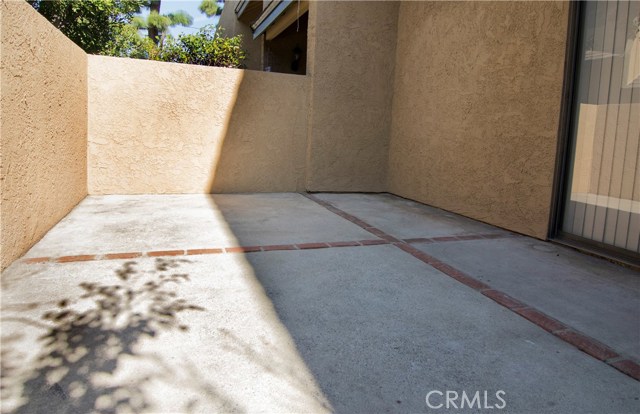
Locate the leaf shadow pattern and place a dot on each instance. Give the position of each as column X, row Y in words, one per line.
column 90, row 334
column 9, row 364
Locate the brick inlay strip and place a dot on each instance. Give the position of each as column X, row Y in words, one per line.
column 627, row 366
column 114, row 256
column 78, row 258
column 166, row 253
column 383, row 238
column 583, row 342
column 215, row 250
column 571, row 336
column 37, row 260
column 204, row 251
column 544, row 321
column 243, row 249
column 589, row 345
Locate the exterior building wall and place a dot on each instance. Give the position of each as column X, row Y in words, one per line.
column 476, row 107
column 233, row 27
column 351, row 53
column 455, row 105
column 43, row 111
column 158, row 127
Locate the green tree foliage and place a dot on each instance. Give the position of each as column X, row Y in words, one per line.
column 210, row 8
column 128, row 43
column 109, row 27
column 207, row 47
column 91, row 24
column 157, row 24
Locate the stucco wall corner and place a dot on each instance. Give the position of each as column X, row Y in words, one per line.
column 351, row 60
column 477, row 98
column 43, row 108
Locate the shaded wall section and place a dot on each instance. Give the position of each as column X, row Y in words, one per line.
column 476, row 108
column 43, row 110
column 159, row 128
column 351, row 54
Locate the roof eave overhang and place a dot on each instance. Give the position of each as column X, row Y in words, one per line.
column 269, row 16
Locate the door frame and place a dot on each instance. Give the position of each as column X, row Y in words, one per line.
column 563, row 154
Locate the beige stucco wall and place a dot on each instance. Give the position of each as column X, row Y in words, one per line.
column 159, row 127
column 351, row 53
column 476, row 108
column 43, row 108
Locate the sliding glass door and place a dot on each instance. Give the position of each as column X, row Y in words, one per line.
column 602, row 194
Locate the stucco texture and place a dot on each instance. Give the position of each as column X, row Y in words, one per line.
column 157, row 128
column 351, row 53
column 476, row 107
column 43, row 113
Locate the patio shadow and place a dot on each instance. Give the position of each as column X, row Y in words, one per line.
column 91, row 334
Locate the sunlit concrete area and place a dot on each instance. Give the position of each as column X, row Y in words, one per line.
column 289, row 302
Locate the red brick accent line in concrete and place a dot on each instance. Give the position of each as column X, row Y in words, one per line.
column 493, row 236
column 216, row 250
column 166, row 253
column 445, row 238
column 344, row 244
column 589, row 345
column 204, row 251
column 113, row 256
column 37, row 260
column 78, row 258
column 312, row 245
column 372, row 242
column 627, row 366
column 545, row 322
column 278, row 247
column 503, row 299
column 462, row 237
column 418, row 240
column 243, row 249
column 581, row 341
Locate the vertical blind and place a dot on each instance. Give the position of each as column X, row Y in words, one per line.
column 603, row 201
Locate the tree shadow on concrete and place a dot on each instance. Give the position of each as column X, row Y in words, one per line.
column 91, row 334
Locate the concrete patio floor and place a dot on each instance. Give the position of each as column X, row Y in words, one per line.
column 310, row 303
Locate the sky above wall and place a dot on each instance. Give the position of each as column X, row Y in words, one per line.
column 189, row 6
